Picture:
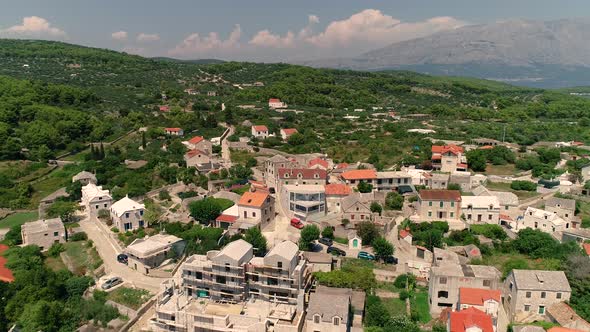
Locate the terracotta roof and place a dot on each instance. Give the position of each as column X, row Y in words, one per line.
column 302, row 173
column 226, row 218
column 289, row 131
column 440, row 195
column 194, row 152
column 5, row 273
column 505, row 217
column 486, row 147
column 253, row 198
column 338, row 189
column 359, row 174
column 470, row 317
column 461, row 165
column 440, row 149
column 260, row 128
column 318, row 161
column 164, row 108
column 477, row 296
column 562, row 329
column 404, row 233
column 586, row 248
column 342, row 165
column 196, row 139
column 172, row 129
column 274, row 100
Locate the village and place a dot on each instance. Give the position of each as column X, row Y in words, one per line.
column 423, row 233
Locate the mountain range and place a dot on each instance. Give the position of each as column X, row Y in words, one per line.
column 547, row 54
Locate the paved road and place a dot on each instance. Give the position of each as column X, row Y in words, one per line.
column 108, row 250
column 225, row 153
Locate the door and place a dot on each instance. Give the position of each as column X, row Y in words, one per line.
column 355, row 243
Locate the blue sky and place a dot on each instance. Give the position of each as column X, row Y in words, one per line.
column 261, row 30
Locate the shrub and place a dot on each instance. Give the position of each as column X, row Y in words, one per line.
column 523, row 185
column 345, row 222
column 164, row 195
column 104, row 214
column 328, row 232
column 81, row 236
column 402, row 280
column 403, row 295
column 115, row 230
column 55, row 250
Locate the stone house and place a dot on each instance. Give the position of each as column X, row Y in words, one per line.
column 84, row 178
column 287, row 132
column 354, row 210
column 148, row 253
column 260, row 131
column 43, row 233
column 272, row 166
column 335, row 195
column 480, row 209
column 439, row 205
column 256, row 208
column 199, row 143
column 564, row 208
column 94, row 199
column 301, row 176
column 545, row 221
column 195, row 158
column 127, row 214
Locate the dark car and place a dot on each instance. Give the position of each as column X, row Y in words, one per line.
column 336, row 251
column 122, row 258
column 390, row 260
column 326, row 241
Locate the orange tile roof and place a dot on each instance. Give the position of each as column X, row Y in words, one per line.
column 194, row 152
column 360, row 174
column 304, row 173
column 5, row 273
column 486, row 147
column 470, row 317
column 338, row 189
column 440, row 149
column 404, row 233
column 226, row 218
column 253, row 198
column 274, row 100
column 440, row 195
column 260, row 128
column 318, row 161
column 586, row 248
column 289, row 131
column 196, row 139
column 342, row 165
column 477, row 296
column 505, row 217
column 562, row 329
column 173, row 129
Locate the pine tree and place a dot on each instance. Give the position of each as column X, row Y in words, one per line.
column 92, row 152
column 101, row 154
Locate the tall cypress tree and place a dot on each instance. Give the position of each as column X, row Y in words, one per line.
column 101, row 151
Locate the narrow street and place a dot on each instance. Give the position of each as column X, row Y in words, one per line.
column 108, row 250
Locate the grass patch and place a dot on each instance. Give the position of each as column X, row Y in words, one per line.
column 224, row 203
column 505, row 262
column 242, row 190
column 240, row 156
column 419, row 304
column 501, row 186
column 55, row 263
column 129, row 297
column 82, row 257
column 508, row 169
column 17, row 219
column 395, row 307
column 341, row 240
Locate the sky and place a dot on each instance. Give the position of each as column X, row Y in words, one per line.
column 259, row 30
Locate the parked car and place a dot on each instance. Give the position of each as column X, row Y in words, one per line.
column 365, row 255
column 390, row 260
column 112, row 282
column 297, row 223
column 326, row 241
column 336, row 251
column 122, row 258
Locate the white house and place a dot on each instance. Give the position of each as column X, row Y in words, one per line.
column 480, row 209
column 94, row 198
column 260, row 131
column 545, row 221
column 276, row 103
column 174, row 131
column 127, row 214
column 287, row 132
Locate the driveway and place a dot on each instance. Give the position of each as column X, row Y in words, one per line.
column 108, row 249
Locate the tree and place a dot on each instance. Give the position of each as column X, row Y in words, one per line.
column 454, row 186
column 63, row 209
column 240, row 172
column 328, row 232
column 376, row 208
column 364, row 187
column 74, row 189
column 394, row 201
column 257, row 240
column 376, row 314
column 296, row 139
column 523, row 185
column 205, row 210
column 382, row 248
column 143, row 141
column 405, row 281
column 476, row 159
column 367, row 231
column 164, row 195
column 309, row 234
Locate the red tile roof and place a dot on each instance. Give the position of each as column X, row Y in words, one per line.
column 586, row 248
column 173, row 129
column 477, row 296
column 505, row 217
column 5, row 273
column 440, row 195
column 289, row 131
column 441, row 149
column 461, row 165
column 196, row 139
column 260, row 128
column 274, row 100
column 404, row 233
column 194, row 152
column 226, row 218
column 486, row 147
column 253, row 198
column 342, row 166
column 338, row 189
column 470, row 317
column 360, row 174
column 318, row 161
column 164, row 108
column 302, row 173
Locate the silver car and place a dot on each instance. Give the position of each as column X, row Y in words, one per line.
column 112, row 282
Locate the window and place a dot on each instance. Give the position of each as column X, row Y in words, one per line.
column 527, row 307
column 487, row 283
column 362, row 216
column 442, row 280
column 452, row 214
column 55, row 233
column 253, row 214
column 316, row 319
column 511, row 285
column 430, row 213
column 429, row 203
column 199, row 275
column 452, row 204
column 443, row 294
column 280, row 265
column 528, row 295
column 543, row 295
column 127, row 215
column 105, row 205
column 541, row 310
column 336, row 321
column 558, row 296
column 441, row 204
column 141, row 212
column 227, row 268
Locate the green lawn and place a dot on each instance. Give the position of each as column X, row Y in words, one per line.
column 501, row 186
column 225, row 203
column 82, row 257
column 129, row 297
column 395, row 306
column 419, row 303
column 241, row 191
column 17, row 219
column 55, row 263
column 507, row 169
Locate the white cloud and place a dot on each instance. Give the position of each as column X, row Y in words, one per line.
column 195, row 45
column 265, row 38
column 34, row 26
column 119, row 35
column 371, row 27
column 146, row 37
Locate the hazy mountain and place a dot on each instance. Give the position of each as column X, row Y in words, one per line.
column 553, row 53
